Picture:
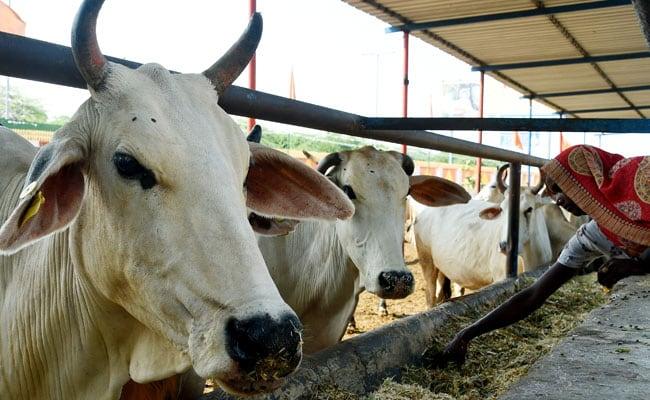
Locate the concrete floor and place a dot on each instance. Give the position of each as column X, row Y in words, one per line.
column 606, row 357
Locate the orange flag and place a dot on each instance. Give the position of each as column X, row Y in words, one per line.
column 518, row 142
column 10, row 22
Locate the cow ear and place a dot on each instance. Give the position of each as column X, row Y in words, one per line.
column 433, row 191
column 490, row 212
column 278, row 185
column 51, row 197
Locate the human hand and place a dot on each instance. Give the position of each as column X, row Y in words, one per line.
column 455, row 352
column 614, row 270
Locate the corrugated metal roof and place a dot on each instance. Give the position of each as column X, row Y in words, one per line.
column 596, row 32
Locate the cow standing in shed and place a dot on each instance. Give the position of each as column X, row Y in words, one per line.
column 126, row 253
column 466, row 243
column 322, row 267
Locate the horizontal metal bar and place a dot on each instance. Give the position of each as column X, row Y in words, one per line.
column 46, row 62
column 564, row 61
column 536, row 12
column 596, row 110
column 511, row 124
column 587, row 92
column 36, row 60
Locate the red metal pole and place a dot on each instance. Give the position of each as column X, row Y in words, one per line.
column 405, row 93
column 479, row 160
column 251, row 65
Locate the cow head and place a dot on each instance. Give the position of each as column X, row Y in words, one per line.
column 152, row 180
column 378, row 183
column 534, row 242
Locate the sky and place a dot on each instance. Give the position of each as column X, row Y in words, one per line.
column 340, row 57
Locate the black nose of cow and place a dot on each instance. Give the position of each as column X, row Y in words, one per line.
column 395, row 284
column 503, row 247
column 265, row 346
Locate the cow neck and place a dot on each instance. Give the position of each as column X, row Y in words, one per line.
column 316, row 247
column 54, row 328
column 537, row 251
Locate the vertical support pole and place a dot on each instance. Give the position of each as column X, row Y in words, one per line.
column 479, row 160
column 252, row 65
column 530, row 133
column 7, row 103
column 561, row 137
column 512, row 257
column 405, row 92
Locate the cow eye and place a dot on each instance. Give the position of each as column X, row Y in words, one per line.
column 129, row 168
column 347, row 189
column 528, row 211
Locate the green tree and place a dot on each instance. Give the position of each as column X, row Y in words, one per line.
column 60, row 120
column 22, row 108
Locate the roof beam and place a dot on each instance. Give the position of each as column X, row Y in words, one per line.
column 597, row 110
column 587, row 92
column 508, row 15
column 563, row 61
column 407, row 125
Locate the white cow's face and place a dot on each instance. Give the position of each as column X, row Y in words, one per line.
column 151, row 176
column 532, row 226
column 378, row 184
column 166, row 175
column 373, row 237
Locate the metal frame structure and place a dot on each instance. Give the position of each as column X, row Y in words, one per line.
column 412, row 27
column 564, row 61
column 46, row 62
column 588, row 92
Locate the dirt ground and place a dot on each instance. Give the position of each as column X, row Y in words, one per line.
column 366, row 315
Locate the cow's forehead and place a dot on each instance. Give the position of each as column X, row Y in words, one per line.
column 373, row 169
column 153, row 86
column 167, row 117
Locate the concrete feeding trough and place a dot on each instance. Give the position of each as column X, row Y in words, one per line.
column 360, row 365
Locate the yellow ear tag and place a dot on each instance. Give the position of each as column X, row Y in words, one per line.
column 34, row 206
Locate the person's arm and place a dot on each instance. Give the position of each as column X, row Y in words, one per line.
column 514, row 309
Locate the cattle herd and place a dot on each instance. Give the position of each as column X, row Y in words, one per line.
column 150, row 246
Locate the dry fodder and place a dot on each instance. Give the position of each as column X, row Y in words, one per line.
column 496, row 360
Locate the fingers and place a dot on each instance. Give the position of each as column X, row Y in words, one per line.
column 436, row 359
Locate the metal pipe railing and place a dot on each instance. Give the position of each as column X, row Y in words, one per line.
column 32, row 59
column 513, row 124
column 512, row 256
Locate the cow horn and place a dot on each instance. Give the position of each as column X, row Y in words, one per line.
column 407, row 162
column 542, row 177
column 224, row 72
column 500, row 184
column 330, row 160
column 89, row 59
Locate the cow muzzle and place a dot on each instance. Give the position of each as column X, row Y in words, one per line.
column 395, row 284
column 264, row 349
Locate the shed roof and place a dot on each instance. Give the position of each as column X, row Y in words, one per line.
column 491, row 33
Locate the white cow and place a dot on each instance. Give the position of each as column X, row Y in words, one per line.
column 125, row 250
column 467, row 242
column 322, row 267
column 559, row 229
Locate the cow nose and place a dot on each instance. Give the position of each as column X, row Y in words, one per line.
column 265, row 346
column 395, row 284
column 503, row 247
